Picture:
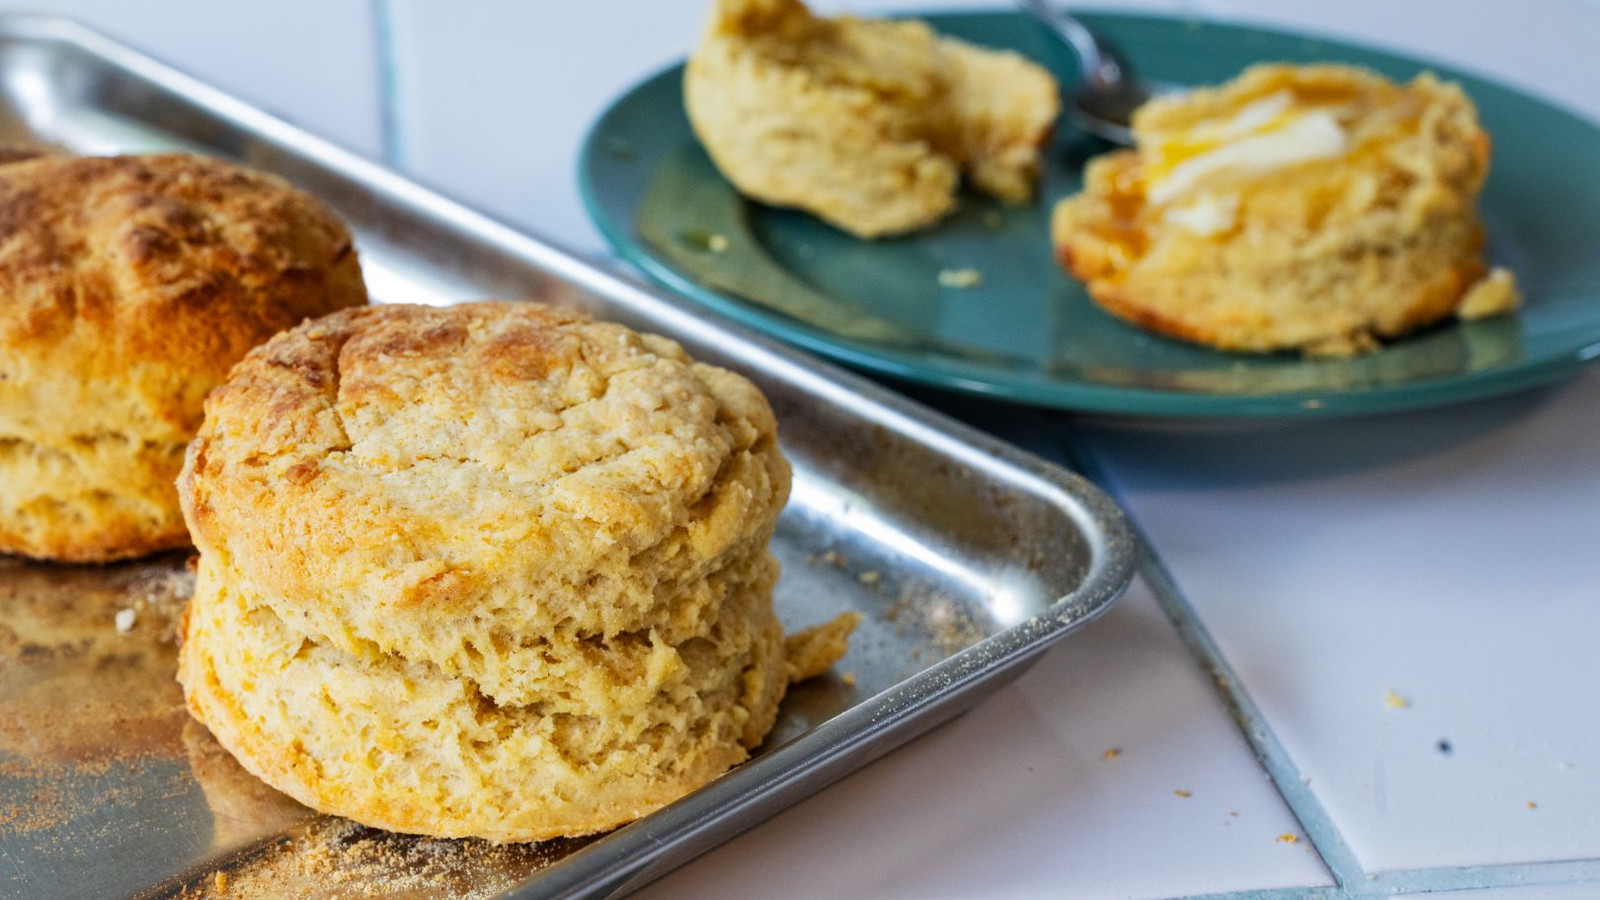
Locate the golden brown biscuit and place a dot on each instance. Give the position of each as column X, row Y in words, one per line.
column 131, row 285
column 868, row 124
column 495, row 570
column 1310, row 208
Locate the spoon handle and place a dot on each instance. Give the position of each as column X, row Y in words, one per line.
column 1098, row 67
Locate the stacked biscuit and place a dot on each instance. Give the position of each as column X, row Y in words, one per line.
column 130, row 285
column 494, row 570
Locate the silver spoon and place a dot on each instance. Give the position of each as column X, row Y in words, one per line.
column 1104, row 102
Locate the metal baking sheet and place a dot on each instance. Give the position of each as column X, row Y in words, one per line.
column 967, row 557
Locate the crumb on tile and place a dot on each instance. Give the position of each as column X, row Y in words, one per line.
column 1288, row 837
column 1395, row 700
column 1184, row 794
column 960, row 278
column 1113, row 753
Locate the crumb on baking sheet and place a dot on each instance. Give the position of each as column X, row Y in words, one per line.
column 1395, row 700
column 812, row 651
column 1288, row 837
column 125, row 618
column 848, row 679
column 870, row 578
column 960, row 278
column 338, row 858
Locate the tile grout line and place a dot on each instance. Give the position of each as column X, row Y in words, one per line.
column 1491, row 875
column 1320, row 830
column 393, row 143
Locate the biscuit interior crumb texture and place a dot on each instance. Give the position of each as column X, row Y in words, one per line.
column 869, row 124
column 131, row 285
column 1318, row 209
column 492, row 570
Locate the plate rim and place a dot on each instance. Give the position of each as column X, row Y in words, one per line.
column 1072, row 395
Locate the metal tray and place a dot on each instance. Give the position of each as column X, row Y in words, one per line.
column 968, row 558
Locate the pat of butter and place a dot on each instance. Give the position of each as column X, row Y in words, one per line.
column 1207, row 215
column 1313, row 135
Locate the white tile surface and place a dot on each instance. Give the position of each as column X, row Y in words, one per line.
column 495, row 98
column 312, row 63
column 1448, row 556
column 1016, row 799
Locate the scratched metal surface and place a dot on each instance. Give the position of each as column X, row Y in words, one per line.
column 967, row 557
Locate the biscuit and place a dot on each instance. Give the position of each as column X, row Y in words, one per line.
column 870, row 125
column 491, row 570
column 1319, row 209
column 131, row 285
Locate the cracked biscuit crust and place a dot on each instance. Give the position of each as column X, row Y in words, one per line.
column 131, row 284
column 512, row 513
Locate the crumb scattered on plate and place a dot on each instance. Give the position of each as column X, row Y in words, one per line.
column 960, row 278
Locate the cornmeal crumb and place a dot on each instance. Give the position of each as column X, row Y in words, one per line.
column 869, row 577
column 717, row 243
column 1395, row 700
column 1493, row 296
column 1113, row 753
column 1184, row 794
column 960, row 278
column 1532, row 805
column 1288, row 838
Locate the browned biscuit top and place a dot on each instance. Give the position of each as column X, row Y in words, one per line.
column 144, row 278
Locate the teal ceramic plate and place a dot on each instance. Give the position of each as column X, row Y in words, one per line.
column 1028, row 332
